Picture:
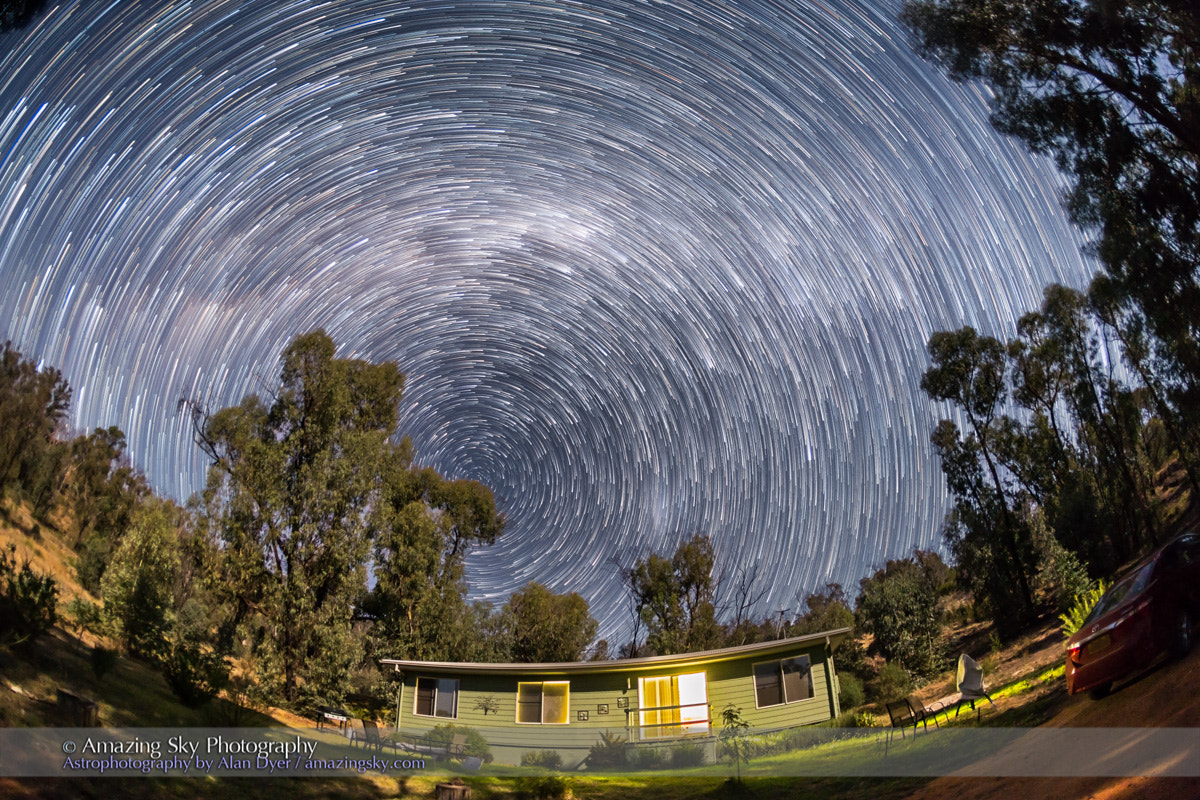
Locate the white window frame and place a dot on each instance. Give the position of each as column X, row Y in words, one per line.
column 778, row 663
column 436, row 690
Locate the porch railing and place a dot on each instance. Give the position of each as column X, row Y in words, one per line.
column 674, row 728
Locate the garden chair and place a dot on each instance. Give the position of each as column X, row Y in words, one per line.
column 371, row 737
column 908, row 712
column 970, row 683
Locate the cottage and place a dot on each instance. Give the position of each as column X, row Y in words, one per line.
column 658, row 700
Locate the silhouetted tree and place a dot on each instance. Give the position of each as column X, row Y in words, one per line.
column 674, row 598
column 546, row 627
column 1112, row 90
column 19, row 13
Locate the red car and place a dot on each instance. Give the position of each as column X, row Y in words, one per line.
column 1150, row 611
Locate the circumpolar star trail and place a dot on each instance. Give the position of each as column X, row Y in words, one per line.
column 651, row 268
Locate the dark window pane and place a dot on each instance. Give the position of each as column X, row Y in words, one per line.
column 797, row 679
column 425, row 694
column 767, row 687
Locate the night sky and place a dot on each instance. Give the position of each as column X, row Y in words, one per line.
column 651, row 268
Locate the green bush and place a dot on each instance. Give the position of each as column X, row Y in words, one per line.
column 85, row 615
column 850, row 691
column 892, row 683
column 643, row 758
column 687, row 754
column 194, row 674
column 609, row 753
column 542, row 759
column 93, row 560
column 28, row 601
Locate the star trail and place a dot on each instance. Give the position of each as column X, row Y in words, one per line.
column 651, row 268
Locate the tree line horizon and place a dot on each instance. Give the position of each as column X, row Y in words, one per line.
column 1062, row 438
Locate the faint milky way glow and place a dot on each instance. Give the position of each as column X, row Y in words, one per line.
column 650, row 267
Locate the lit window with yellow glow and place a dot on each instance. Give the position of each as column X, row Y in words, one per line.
column 543, row 703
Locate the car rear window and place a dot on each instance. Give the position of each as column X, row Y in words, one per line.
column 1130, row 587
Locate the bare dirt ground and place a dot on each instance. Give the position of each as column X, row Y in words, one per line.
column 1167, row 695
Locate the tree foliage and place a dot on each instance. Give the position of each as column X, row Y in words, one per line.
column 103, row 490
column 425, row 526
column 19, row 13
column 1055, row 473
column 308, row 492
column 899, row 606
column 138, row 586
column 33, row 404
column 1112, row 90
column 290, row 492
column 969, row 370
column 28, row 600
column 546, row 627
column 673, row 598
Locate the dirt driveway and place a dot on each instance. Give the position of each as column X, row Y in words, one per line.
column 1166, row 696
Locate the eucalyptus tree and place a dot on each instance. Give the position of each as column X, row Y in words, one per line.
column 1112, row 91
column 290, row 495
column 970, row 371
column 545, row 627
column 673, row 597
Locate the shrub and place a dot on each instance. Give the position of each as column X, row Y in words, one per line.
column 194, row 674
column 850, row 691
column 642, row 758
column 542, row 759
column 687, row 754
column 239, row 690
column 28, row 601
column 891, row 683
column 610, row 752
column 103, row 661
column 85, row 616
column 899, row 605
column 93, row 560
column 550, row 787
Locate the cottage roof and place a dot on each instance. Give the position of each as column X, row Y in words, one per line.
column 683, row 660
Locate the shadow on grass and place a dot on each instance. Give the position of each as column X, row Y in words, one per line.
column 131, row 694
